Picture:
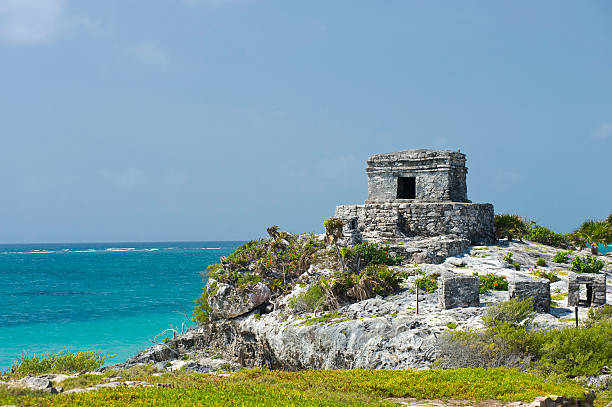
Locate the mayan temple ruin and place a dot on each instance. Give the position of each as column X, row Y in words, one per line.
column 417, row 204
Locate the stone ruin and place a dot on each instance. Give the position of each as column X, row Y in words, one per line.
column 532, row 287
column 417, row 203
column 586, row 289
column 458, row 291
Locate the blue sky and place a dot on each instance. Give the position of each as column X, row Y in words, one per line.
column 212, row 119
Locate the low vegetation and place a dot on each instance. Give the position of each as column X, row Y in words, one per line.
column 427, row 282
column 510, row 226
column 363, row 270
column 61, row 362
column 310, row 388
column 541, row 234
column 586, row 264
column 563, row 257
column 549, row 275
column 491, row 281
column 510, row 339
column 590, row 234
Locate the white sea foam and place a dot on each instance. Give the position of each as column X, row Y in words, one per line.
column 120, row 249
column 210, row 248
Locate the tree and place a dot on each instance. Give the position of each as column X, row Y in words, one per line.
column 593, row 233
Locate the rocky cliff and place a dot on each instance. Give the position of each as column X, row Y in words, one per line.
column 266, row 316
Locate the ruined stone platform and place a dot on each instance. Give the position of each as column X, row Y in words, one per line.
column 413, row 197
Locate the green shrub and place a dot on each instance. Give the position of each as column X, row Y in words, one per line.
column 509, row 340
column 428, row 283
column 500, row 345
column 545, row 236
column 596, row 315
column 201, row 312
column 492, row 281
column 574, row 351
column 313, row 299
column 333, row 229
column 549, row 275
column 562, row 257
column 541, row 262
column 375, row 279
column 362, row 254
column 586, row 264
column 277, row 261
column 510, row 226
column 62, row 362
column 513, row 312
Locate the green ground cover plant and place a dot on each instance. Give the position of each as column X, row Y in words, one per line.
column 541, row 262
column 313, row 388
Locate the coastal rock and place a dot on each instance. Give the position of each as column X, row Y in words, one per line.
column 38, row 384
column 228, row 302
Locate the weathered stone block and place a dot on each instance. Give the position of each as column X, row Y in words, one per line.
column 458, row 291
column 586, row 289
column 536, row 288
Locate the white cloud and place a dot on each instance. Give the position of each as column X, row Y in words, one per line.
column 30, row 21
column 127, row 179
column 149, row 54
column 603, row 132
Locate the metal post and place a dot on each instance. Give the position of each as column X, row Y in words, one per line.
column 576, row 313
column 417, row 297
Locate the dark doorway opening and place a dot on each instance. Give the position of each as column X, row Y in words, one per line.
column 585, row 295
column 406, row 187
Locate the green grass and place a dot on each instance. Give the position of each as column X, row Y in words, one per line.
column 313, row 388
column 60, row 362
column 330, row 317
column 558, row 296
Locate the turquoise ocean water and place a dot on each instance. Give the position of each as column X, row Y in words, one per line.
column 603, row 249
column 108, row 296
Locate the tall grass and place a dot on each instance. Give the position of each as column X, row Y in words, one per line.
column 60, row 362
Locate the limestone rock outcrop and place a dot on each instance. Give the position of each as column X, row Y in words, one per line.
column 226, row 301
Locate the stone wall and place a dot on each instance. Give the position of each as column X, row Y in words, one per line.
column 536, row 288
column 353, row 217
column 440, row 175
column 404, row 219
